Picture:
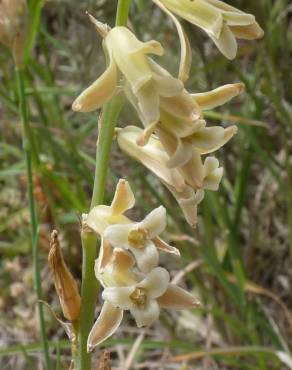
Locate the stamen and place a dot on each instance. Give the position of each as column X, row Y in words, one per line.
column 139, row 297
column 137, row 238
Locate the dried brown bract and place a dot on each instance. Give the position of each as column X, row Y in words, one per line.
column 65, row 284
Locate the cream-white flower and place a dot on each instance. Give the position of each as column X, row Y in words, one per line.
column 130, row 56
column 101, row 217
column 114, row 266
column 140, row 299
column 137, row 237
column 222, row 22
column 154, row 157
column 143, row 299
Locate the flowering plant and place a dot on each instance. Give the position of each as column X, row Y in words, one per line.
column 174, row 142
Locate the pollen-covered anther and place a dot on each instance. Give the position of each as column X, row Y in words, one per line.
column 137, row 238
column 139, row 297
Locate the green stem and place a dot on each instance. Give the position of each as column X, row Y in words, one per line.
column 89, row 291
column 122, row 12
column 89, row 288
column 30, row 152
column 107, row 126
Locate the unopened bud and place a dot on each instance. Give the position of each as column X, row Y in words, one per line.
column 65, row 284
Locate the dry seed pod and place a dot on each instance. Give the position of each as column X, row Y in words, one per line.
column 65, row 284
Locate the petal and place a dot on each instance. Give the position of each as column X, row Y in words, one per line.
column 124, row 198
column 98, row 218
column 156, row 282
column 213, row 173
column 129, row 56
column 210, row 165
column 166, row 84
column 217, row 97
column 99, row 92
column 122, row 260
column 179, row 150
column 250, row 32
column 121, row 268
column 182, row 154
column 228, row 134
column 146, row 316
column 118, row 272
column 147, row 132
column 117, row 235
column 193, row 170
column 148, row 102
column 238, row 18
column 132, row 98
column 198, row 12
column 208, row 138
column 188, row 201
column 147, row 258
column 125, row 39
column 152, row 155
column 165, row 247
column 154, row 222
column 107, row 323
column 119, row 296
column 104, row 258
column 178, row 127
column 181, row 106
column 212, row 181
column 149, row 47
column 186, row 52
column 222, row 5
column 226, row 42
column 177, row 298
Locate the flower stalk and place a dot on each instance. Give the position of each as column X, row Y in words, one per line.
column 89, row 288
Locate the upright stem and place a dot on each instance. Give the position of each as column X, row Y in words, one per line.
column 89, row 288
column 122, row 12
column 30, row 152
column 107, row 126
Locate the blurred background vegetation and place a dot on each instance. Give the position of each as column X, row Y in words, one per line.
column 238, row 260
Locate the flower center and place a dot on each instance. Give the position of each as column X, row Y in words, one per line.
column 137, row 238
column 139, row 297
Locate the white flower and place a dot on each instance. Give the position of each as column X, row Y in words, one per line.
column 114, row 266
column 140, row 299
column 137, row 237
column 130, row 56
column 222, row 22
column 154, row 157
column 143, row 299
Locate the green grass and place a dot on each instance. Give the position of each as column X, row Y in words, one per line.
column 245, row 230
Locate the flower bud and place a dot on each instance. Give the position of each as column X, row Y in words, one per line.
column 65, row 284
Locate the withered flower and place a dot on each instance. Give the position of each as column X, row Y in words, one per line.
column 65, row 283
